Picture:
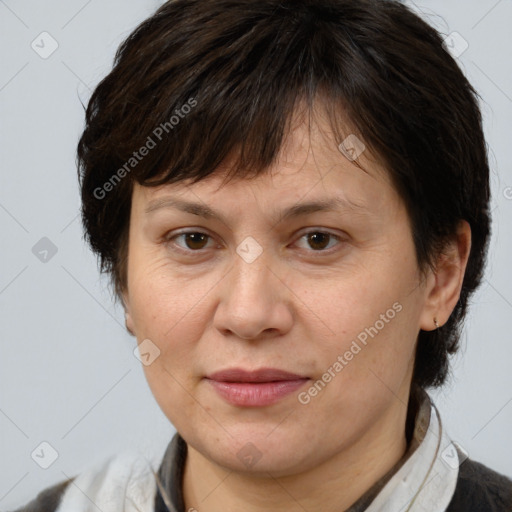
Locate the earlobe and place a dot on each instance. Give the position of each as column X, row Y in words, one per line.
column 128, row 321
column 444, row 290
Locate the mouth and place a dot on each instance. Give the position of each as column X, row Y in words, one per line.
column 255, row 388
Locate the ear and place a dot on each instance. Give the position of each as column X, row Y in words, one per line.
column 445, row 283
column 128, row 320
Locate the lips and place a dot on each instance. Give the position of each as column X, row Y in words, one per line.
column 257, row 388
column 255, row 376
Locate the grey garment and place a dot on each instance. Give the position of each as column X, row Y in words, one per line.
column 47, row 500
column 173, row 463
column 480, row 489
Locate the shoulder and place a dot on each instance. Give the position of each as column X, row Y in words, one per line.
column 480, row 488
column 47, row 500
column 122, row 479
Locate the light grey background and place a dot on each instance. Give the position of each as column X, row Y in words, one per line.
column 67, row 371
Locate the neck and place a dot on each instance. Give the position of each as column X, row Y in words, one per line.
column 331, row 486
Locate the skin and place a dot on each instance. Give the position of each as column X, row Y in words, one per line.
column 297, row 307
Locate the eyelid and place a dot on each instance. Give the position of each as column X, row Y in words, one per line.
column 169, row 237
column 339, row 238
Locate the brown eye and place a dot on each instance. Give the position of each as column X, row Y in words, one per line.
column 192, row 241
column 321, row 242
column 196, row 240
column 318, row 240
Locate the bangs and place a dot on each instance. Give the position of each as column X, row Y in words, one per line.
column 234, row 97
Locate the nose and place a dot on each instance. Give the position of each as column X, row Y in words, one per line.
column 255, row 302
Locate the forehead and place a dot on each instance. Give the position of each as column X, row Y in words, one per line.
column 313, row 165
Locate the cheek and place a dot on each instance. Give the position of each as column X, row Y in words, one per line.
column 159, row 301
column 172, row 392
column 174, row 322
column 372, row 323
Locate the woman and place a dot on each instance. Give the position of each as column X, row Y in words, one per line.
column 292, row 200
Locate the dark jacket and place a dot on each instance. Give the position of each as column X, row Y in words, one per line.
column 481, row 489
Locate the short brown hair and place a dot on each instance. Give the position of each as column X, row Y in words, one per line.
column 243, row 66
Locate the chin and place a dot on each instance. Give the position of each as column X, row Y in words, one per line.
column 255, row 451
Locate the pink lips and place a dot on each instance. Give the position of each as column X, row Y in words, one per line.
column 255, row 388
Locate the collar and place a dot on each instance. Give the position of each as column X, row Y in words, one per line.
column 427, row 478
column 423, row 479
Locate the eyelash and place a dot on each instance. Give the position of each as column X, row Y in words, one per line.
column 170, row 240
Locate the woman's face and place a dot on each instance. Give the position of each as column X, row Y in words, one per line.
column 309, row 269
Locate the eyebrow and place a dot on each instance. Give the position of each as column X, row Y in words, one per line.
column 297, row 210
